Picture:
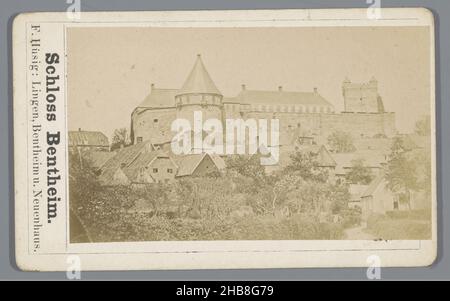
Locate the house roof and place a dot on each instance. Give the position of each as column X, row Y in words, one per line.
column 87, row 138
column 98, row 158
column 199, row 80
column 219, row 161
column 187, row 164
column 371, row 159
column 123, row 158
column 373, row 186
column 281, row 97
column 160, row 98
column 379, row 144
column 323, row 155
column 141, row 161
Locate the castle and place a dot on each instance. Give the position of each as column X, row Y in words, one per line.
column 301, row 114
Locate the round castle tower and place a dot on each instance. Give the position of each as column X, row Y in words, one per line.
column 199, row 93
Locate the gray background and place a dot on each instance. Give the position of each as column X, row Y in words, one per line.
column 8, row 271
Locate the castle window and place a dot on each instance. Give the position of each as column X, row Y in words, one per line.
column 155, row 120
column 169, row 170
column 139, row 139
column 155, row 170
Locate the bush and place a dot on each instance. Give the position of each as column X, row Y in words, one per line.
column 395, row 228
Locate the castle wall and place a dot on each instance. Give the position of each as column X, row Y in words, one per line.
column 321, row 125
column 152, row 124
column 361, row 125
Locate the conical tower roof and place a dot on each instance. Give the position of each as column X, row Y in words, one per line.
column 199, row 81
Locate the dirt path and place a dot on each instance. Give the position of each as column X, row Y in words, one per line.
column 358, row 233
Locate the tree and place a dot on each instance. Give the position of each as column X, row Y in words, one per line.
column 247, row 166
column 307, row 196
column 120, row 139
column 359, row 174
column 307, row 166
column 423, row 126
column 341, row 142
column 401, row 175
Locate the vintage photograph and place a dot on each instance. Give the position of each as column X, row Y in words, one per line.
column 249, row 133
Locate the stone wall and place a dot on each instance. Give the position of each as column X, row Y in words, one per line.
column 360, row 125
column 157, row 122
column 151, row 124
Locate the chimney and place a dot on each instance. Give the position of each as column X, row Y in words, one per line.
column 152, row 86
column 243, row 87
column 280, row 88
column 79, row 129
column 315, row 90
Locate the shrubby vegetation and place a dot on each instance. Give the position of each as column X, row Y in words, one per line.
column 243, row 204
column 360, row 173
column 341, row 142
column 414, row 225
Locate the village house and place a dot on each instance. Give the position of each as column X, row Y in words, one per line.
column 379, row 199
column 356, row 191
column 138, row 164
column 375, row 160
column 322, row 155
column 80, row 141
column 196, row 165
column 145, row 163
column 97, row 159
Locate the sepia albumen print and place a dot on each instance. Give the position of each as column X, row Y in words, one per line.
column 199, row 134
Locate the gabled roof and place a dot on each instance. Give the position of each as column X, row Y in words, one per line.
column 383, row 145
column 122, row 159
column 141, row 161
column 87, row 138
column 281, row 97
column 187, row 164
column 373, row 186
column 220, row 163
column 99, row 158
column 159, row 98
column 371, row 159
column 199, row 81
column 323, row 155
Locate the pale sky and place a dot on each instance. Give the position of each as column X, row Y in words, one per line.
column 110, row 69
